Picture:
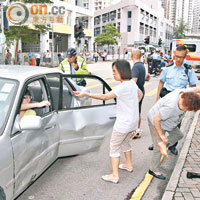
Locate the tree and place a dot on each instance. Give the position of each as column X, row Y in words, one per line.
column 109, row 36
column 24, row 32
column 180, row 29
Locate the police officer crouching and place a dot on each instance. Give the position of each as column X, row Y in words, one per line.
column 74, row 64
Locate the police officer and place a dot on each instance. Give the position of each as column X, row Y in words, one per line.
column 156, row 59
column 74, row 64
column 167, row 57
column 176, row 76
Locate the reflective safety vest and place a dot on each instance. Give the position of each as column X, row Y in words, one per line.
column 67, row 68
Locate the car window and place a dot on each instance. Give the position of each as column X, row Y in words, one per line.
column 191, row 47
column 7, row 94
column 54, row 83
column 38, row 93
column 93, row 85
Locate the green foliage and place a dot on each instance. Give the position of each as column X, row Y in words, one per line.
column 109, row 36
column 23, row 32
column 20, row 32
column 180, row 29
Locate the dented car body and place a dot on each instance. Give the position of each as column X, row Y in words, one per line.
column 70, row 126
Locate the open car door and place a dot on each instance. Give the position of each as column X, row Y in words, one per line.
column 84, row 122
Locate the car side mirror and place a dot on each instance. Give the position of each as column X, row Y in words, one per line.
column 27, row 123
column 30, row 123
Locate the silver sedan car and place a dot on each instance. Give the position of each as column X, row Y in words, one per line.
column 69, row 126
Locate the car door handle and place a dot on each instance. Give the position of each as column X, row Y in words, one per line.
column 50, row 127
column 114, row 117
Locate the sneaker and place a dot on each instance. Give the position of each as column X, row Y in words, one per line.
column 109, row 178
column 138, row 134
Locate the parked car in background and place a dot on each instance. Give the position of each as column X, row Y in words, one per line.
column 70, row 126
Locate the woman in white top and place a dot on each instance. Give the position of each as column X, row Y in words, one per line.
column 128, row 95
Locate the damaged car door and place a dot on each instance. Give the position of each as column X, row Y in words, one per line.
column 84, row 122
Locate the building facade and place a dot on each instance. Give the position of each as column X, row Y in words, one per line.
column 196, row 18
column 61, row 36
column 135, row 20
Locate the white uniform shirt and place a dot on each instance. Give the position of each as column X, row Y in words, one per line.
column 127, row 107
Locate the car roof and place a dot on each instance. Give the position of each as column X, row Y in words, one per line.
column 22, row 72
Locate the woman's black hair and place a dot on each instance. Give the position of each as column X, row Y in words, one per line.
column 27, row 92
column 123, row 68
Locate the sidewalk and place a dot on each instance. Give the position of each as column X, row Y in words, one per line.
column 179, row 186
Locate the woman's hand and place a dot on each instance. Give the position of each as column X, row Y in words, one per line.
column 132, row 135
column 81, row 94
column 43, row 103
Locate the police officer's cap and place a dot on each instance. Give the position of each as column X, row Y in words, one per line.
column 71, row 52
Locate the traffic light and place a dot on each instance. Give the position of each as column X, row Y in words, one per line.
column 76, row 31
column 159, row 42
column 81, row 28
column 146, row 40
column 79, row 31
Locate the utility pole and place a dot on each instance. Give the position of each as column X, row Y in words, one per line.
column 52, row 59
column 2, row 36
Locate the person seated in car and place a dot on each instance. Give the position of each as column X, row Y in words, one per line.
column 26, row 106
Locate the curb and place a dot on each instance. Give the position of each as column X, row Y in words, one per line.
column 173, row 181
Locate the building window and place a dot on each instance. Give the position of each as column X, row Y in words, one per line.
column 128, row 28
column 129, row 14
column 118, row 15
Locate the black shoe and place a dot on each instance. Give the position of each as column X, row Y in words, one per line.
column 193, row 175
column 151, row 147
column 173, row 150
column 157, row 176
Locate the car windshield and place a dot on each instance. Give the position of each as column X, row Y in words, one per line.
column 7, row 91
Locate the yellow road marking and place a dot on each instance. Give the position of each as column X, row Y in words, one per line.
column 151, row 93
column 97, row 85
column 139, row 192
column 92, row 80
column 142, row 187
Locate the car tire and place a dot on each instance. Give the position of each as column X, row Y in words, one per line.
column 2, row 194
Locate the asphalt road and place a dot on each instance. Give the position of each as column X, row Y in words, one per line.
column 79, row 177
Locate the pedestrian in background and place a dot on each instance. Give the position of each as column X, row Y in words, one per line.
column 167, row 57
column 165, row 116
column 177, row 75
column 149, row 61
column 128, row 95
column 96, row 56
column 47, row 57
column 19, row 57
column 38, row 57
column 104, row 55
column 138, row 74
column 8, row 57
column 74, row 64
column 156, row 59
column 60, row 58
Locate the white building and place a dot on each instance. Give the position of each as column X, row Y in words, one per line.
column 100, row 4
column 196, row 18
column 135, row 20
column 74, row 13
